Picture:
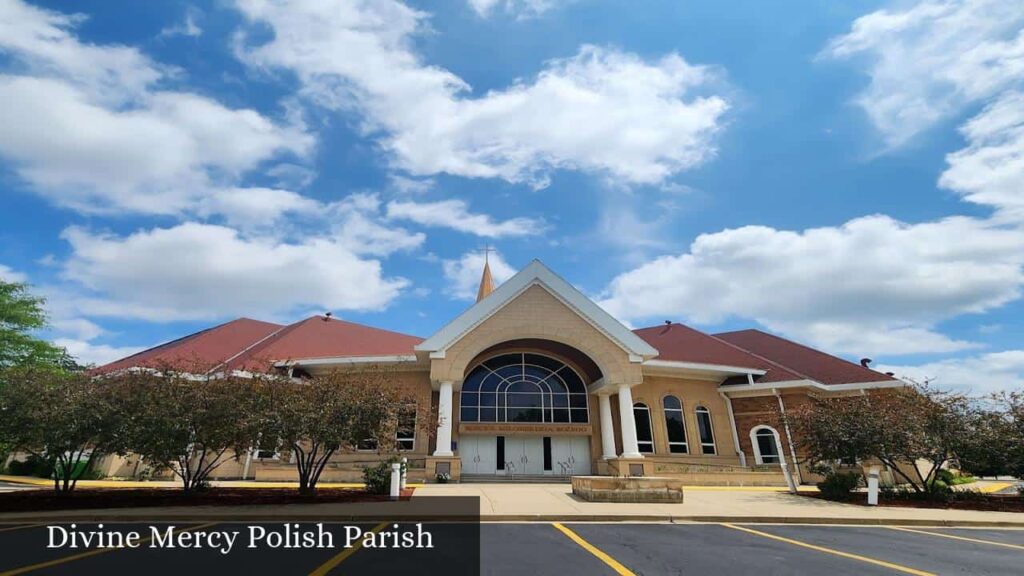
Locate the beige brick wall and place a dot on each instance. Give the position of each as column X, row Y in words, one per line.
column 537, row 314
column 691, row 393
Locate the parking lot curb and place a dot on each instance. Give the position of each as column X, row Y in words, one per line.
column 139, row 516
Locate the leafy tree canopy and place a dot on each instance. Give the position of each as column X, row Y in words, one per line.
column 20, row 314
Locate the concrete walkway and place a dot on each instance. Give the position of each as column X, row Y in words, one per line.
column 554, row 502
column 701, row 503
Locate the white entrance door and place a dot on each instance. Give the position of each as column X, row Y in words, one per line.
column 524, row 455
column 570, row 455
column 468, row 454
column 478, row 454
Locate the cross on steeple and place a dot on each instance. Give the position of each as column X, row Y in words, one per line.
column 487, row 249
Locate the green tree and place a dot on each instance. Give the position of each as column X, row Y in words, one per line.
column 913, row 430
column 66, row 419
column 187, row 425
column 995, row 444
column 317, row 418
column 21, row 313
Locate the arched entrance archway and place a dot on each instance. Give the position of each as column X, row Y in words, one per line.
column 524, row 410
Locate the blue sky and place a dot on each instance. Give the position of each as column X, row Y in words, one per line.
column 845, row 175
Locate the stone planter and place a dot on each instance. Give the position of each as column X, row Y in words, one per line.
column 628, row 489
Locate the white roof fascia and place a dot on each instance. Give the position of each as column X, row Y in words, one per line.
column 333, row 360
column 704, row 367
column 536, row 273
column 812, row 384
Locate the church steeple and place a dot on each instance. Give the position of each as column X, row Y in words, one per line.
column 486, row 281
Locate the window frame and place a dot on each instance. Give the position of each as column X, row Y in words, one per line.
column 698, row 411
column 275, row 454
column 414, row 409
column 758, row 457
column 573, row 403
column 650, row 428
column 685, row 444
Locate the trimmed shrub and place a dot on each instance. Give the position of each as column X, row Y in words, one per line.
column 378, row 478
column 839, row 485
column 31, row 466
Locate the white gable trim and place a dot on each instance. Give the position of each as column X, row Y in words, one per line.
column 536, row 273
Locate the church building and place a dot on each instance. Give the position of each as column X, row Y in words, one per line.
column 537, row 381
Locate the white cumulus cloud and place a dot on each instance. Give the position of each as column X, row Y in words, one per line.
column 930, row 60
column 981, row 374
column 873, row 286
column 601, row 110
column 91, row 127
column 463, row 275
column 203, row 271
column 519, row 8
column 455, row 214
column 990, row 170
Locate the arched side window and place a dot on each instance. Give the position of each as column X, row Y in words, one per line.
column 523, row 387
column 675, row 423
column 767, row 446
column 644, row 435
column 704, row 428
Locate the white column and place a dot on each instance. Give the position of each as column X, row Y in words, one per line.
column 444, row 421
column 607, row 428
column 627, row 423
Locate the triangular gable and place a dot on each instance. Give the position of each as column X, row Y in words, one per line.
column 536, row 273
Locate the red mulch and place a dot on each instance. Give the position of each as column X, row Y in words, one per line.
column 88, row 498
column 987, row 503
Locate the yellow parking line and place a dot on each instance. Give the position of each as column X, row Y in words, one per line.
column 955, row 537
column 72, row 558
column 22, row 527
column 326, row 567
column 898, row 567
column 612, row 562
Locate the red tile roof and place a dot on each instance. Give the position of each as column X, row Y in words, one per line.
column 202, row 350
column 251, row 344
column 814, row 364
column 322, row 337
column 680, row 343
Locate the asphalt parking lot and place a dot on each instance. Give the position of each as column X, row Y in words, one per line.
column 559, row 549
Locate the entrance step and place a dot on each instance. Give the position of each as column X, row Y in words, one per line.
column 518, row 478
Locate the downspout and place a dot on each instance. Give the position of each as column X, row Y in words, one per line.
column 735, row 431
column 248, row 459
column 789, row 436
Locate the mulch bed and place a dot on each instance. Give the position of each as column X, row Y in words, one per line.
column 91, row 498
column 988, row 503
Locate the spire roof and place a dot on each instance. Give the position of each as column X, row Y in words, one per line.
column 486, row 283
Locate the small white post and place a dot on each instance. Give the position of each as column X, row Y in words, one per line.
column 405, row 471
column 788, row 475
column 396, row 480
column 873, row 485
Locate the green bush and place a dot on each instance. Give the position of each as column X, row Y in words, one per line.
column 952, row 478
column 378, row 478
column 839, row 485
column 81, row 473
column 31, row 466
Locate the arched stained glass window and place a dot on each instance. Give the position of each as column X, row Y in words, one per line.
column 675, row 424
column 523, row 387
